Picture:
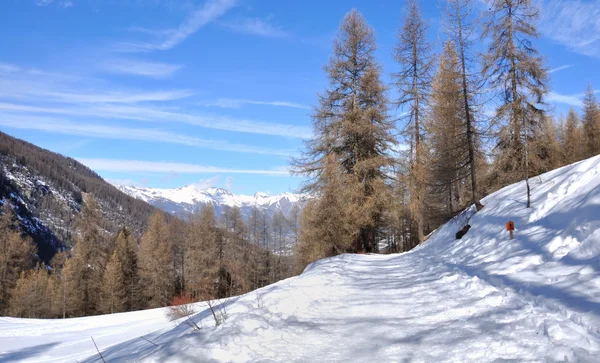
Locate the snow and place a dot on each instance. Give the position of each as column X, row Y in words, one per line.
column 194, row 194
column 484, row 298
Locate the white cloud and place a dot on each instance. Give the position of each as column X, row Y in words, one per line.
column 228, row 182
column 142, row 68
column 70, row 95
column 237, row 103
column 60, row 126
column 64, row 4
column 49, row 90
column 557, row 69
column 574, row 24
column 127, row 182
column 212, row 10
column 149, row 114
column 8, row 68
column 139, row 166
column 573, row 100
column 206, row 183
column 255, row 26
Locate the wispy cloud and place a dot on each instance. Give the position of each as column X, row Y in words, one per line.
column 239, row 102
column 557, row 69
column 212, row 10
column 27, row 91
column 128, row 182
column 120, row 112
column 255, row 26
column 574, row 24
column 63, row 4
column 140, row 166
column 572, row 100
column 52, row 91
column 67, row 127
column 142, row 68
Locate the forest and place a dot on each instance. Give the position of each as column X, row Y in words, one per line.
column 468, row 122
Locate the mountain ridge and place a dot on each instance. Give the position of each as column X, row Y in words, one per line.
column 189, row 199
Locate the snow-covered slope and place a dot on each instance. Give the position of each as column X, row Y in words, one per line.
column 483, row 298
column 191, row 198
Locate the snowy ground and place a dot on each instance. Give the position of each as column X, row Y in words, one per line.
column 480, row 299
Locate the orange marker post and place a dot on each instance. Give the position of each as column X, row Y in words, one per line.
column 510, row 227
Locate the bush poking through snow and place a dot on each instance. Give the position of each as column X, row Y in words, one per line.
column 219, row 312
column 182, row 308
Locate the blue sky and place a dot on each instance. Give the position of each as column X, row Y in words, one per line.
column 164, row 93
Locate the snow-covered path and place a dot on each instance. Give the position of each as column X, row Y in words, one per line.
column 484, row 298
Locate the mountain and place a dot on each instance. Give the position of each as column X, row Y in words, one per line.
column 191, row 198
column 482, row 298
column 47, row 191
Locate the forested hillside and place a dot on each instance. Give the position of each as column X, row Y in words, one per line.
column 73, row 245
column 47, row 190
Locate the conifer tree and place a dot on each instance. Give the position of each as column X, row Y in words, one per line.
column 591, row 123
column 571, row 138
column 155, row 263
column 83, row 272
column 460, row 29
column 413, row 81
column 16, row 254
column 318, row 236
column 513, row 66
column 114, row 289
column 450, row 156
column 30, row 296
column 352, row 125
column 202, row 256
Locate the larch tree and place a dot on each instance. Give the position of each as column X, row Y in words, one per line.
column 202, row 256
column 326, row 228
column 591, row 123
column 155, row 265
column 513, row 66
column 30, row 296
column 413, row 53
column 460, row 28
column 120, row 290
column 352, row 125
column 571, row 136
column 450, row 153
column 16, row 254
column 83, row 272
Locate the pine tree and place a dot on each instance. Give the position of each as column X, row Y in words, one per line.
column 591, row 123
column 460, row 28
column 571, row 136
column 155, row 263
column 513, row 66
column 413, row 81
column 351, row 124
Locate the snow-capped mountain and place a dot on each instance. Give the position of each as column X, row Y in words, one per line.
column 191, row 198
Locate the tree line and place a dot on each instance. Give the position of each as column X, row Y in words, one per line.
column 207, row 257
column 468, row 125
